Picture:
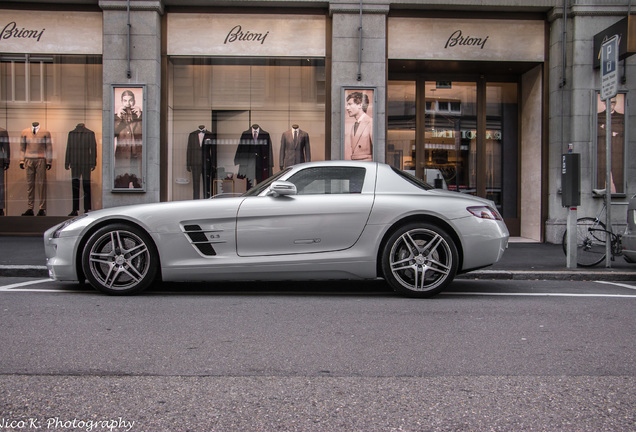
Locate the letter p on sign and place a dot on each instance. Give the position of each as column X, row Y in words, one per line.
column 609, row 72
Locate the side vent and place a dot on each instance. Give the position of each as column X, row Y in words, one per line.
column 199, row 239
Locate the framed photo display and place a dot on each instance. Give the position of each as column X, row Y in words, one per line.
column 358, row 123
column 129, row 138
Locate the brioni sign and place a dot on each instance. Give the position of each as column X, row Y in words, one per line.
column 246, row 35
column 50, row 32
column 466, row 39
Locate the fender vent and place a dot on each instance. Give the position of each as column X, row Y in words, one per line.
column 199, row 239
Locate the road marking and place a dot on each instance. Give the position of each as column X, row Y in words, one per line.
column 539, row 294
column 23, row 284
column 617, row 284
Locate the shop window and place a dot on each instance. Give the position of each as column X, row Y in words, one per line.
column 618, row 144
column 50, row 134
column 232, row 121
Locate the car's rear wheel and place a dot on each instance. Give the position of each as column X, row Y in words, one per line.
column 120, row 259
column 419, row 259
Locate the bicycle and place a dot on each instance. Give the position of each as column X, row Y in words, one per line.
column 591, row 238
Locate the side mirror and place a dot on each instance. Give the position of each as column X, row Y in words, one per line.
column 282, row 188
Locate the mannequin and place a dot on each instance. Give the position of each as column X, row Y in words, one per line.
column 5, row 159
column 36, row 158
column 294, row 147
column 201, row 160
column 81, row 159
column 254, row 155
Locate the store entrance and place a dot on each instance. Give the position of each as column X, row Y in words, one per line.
column 460, row 135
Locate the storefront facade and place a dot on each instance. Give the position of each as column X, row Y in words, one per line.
column 50, row 114
column 475, row 98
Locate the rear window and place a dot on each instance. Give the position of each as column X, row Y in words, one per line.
column 412, row 179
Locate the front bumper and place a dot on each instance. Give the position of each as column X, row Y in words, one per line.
column 60, row 256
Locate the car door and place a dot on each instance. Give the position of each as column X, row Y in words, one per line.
column 328, row 213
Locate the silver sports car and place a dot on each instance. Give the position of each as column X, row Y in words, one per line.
column 313, row 221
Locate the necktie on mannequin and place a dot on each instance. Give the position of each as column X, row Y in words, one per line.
column 255, row 134
column 295, row 136
column 34, row 131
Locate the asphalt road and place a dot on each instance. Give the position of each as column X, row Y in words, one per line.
column 485, row 356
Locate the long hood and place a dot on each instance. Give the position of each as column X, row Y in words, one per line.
column 166, row 217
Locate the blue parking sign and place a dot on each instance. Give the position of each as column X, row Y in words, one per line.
column 609, row 72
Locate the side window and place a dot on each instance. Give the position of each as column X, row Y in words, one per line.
column 329, row 180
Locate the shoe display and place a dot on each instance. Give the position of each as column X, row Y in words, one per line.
column 29, row 212
column 73, row 213
column 42, row 213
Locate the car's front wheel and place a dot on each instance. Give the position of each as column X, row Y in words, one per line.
column 120, row 259
column 419, row 259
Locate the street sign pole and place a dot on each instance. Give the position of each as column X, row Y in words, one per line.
column 609, row 89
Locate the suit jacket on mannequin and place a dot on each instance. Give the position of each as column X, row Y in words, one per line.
column 292, row 151
column 254, row 157
column 201, row 160
column 197, row 153
column 81, row 148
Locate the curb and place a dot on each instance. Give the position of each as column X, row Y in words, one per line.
column 565, row 275
column 23, row 271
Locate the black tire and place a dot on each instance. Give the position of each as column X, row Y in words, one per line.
column 419, row 259
column 590, row 241
column 120, row 259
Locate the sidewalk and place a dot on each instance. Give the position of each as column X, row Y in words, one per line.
column 24, row 257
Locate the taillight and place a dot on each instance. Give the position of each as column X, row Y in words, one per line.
column 485, row 212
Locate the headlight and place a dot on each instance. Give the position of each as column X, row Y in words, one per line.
column 66, row 224
column 485, row 212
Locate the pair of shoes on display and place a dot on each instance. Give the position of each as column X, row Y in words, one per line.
column 1, row 212
column 73, row 213
column 29, row 212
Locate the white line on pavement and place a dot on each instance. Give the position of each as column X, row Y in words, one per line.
column 617, row 284
column 23, row 284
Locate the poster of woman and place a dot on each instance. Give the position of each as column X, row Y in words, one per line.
column 128, row 139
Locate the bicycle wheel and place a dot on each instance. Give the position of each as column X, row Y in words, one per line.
column 590, row 241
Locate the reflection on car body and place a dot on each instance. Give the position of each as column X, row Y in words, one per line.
column 313, row 221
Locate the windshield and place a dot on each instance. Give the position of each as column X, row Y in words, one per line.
column 413, row 180
column 256, row 190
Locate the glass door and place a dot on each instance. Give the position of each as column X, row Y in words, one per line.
column 458, row 135
column 448, row 152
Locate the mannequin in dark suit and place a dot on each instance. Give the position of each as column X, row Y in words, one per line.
column 201, row 160
column 294, row 147
column 81, row 159
column 254, row 155
column 5, row 159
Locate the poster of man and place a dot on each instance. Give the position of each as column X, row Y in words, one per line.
column 358, row 124
column 128, row 137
